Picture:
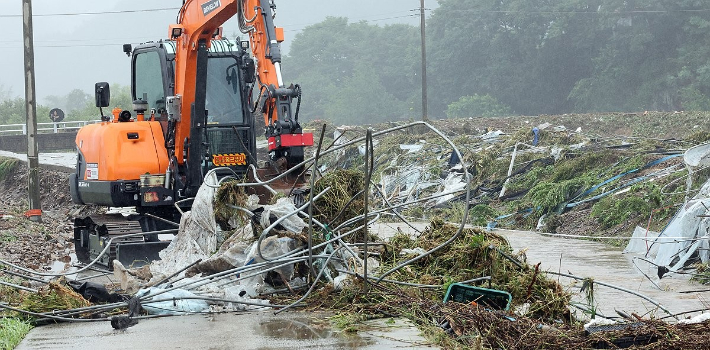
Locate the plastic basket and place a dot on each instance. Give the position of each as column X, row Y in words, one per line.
column 490, row 298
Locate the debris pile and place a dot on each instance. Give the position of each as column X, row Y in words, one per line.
column 316, row 251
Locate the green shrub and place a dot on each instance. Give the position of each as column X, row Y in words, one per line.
column 611, row 212
column 481, row 214
column 547, row 197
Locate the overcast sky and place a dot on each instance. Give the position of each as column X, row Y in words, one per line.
column 74, row 49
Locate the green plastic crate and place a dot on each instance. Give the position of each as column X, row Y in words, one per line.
column 491, row 298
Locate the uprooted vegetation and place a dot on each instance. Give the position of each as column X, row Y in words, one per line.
column 618, row 180
column 559, row 181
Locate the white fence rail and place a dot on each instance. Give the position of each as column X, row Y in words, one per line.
column 45, row 128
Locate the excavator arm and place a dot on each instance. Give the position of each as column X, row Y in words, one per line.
column 198, row 22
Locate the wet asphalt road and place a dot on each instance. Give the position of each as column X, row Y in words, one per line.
column 247, row 331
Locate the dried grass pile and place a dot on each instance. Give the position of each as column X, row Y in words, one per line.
column 476, row 253
column 56, row 295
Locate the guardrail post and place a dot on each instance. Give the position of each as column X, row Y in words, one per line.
column 24, row 129
column 55, row 128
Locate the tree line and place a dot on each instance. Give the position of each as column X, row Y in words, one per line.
column 514, row 57
column 77, row 105
column 491, row 58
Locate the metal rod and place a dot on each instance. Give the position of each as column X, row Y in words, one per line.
column 618, row 288
column 178, row 272
column 365, row 196
column 175, row 224
column 311, row 202
column 24, row 276
column 17, row 286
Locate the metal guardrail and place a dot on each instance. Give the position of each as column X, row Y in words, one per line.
column 45, row 128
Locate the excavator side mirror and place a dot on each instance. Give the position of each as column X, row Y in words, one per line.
column 103, row 94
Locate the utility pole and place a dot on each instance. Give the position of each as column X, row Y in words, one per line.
column 35, row 212
column 425, row 107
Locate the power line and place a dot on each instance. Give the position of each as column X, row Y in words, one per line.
column 468, row 11
column 102, row 40
column 94, row 13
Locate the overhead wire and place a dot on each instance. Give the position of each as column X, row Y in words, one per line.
column 92, row 13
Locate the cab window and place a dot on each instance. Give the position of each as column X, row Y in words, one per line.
column 148, row 79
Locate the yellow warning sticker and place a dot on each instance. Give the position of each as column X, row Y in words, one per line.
column 229, row 159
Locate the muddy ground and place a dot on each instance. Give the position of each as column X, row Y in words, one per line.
column 30, row 244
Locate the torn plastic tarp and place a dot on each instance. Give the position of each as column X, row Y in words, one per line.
column 283, row 207
column 686, row 234
column 412, row 148
column 177, row 306
column 230, row 255
column 641, row 242
column 491, row 136
column 453, row 183
column 271, row 247
column 697, row 156
column 197, row 237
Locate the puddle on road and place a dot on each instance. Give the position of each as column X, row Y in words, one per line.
column 306, row 329
column 375, row 334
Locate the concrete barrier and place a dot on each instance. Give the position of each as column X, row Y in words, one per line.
column 46, row 142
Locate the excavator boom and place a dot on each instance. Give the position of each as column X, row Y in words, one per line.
column 200, row 21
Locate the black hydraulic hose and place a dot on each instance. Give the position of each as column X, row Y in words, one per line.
column 241, row 143
column 298, row 103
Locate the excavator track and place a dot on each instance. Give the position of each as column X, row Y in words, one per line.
column 92, row 233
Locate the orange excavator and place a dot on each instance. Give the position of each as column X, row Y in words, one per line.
column 195, row 108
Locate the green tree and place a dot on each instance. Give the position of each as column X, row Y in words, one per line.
column 362, row 98
column 120, row 98
column 355, row 69
column 12, row 111
column 477, row 106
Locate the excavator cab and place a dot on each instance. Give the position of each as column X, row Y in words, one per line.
column 228, row 129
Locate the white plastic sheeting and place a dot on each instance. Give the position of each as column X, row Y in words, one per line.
column 283, row 207
column 177, row 306
column 697, row 156
column 642, row 242
column 197, row 237
column 685, row 236
column 453, row 183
